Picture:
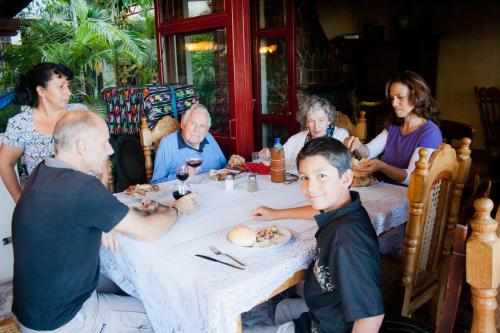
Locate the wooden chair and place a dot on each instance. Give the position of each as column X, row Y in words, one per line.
column 359, row 130
column 150, row 139
column 488, row 103
column 456, row 275
column 483, row 267
column 446, row 321
column 434, row 195
column 455, row 130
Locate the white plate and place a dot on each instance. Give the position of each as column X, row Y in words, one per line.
column 238, row 176
column 287, row 235
column 150, row 195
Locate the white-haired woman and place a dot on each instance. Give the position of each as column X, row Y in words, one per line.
column 317, row 116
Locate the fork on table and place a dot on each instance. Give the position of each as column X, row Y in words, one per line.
column 217, row 252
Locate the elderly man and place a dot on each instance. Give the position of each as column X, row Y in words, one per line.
column 193, row 137
column 56, row 229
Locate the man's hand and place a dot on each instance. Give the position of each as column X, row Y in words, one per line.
column 264, row 213
column 235, row 160
column 186, row 205
column 110, row 241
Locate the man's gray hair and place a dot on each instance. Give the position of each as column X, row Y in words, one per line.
column 72, row 126
column 197, row 107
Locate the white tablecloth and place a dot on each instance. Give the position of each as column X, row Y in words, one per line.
column 183, row 293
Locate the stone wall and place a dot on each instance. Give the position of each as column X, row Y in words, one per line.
column 316, row 63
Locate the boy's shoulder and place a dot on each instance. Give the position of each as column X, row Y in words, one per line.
column 351, row 227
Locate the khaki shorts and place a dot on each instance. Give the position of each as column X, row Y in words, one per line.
column 106, row 313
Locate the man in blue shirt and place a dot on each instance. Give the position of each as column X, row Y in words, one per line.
column 192, row 138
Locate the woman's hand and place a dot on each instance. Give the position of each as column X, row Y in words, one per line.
column 354, row 144
column 265, row 154
column 264, row 213
column 368, row 167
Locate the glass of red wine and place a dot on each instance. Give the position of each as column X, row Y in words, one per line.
column 195, row 160
column 182, row 173
column 180, row 189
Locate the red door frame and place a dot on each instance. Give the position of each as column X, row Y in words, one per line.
column 236, row 19
column 289, row 119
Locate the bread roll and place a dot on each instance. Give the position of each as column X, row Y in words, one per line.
column 242, row 236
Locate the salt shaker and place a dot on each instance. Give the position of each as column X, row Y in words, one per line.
column 252, row 183
column 229, row 182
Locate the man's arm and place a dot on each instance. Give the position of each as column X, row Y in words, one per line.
column 264, row 213
column 368, row 325
column 150, row 228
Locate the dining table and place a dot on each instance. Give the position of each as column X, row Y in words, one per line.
column 185, row 293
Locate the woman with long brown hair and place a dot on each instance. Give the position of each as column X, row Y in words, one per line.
column 411, row 126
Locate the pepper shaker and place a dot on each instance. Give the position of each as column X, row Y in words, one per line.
column 252, row 183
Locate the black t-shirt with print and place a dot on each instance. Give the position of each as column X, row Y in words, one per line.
column 56, row 230
column 343, row 282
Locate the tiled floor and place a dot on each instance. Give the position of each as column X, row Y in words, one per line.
column 5, row 300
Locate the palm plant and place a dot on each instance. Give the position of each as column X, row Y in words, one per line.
column 84, row 43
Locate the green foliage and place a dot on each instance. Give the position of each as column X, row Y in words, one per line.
column 84, row 35
column 204, row 71
column 7, row 113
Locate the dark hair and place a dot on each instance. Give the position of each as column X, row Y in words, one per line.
column 332, row 149
column 40, row 75
column 420, row 96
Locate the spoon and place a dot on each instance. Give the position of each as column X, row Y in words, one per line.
column 217, row 252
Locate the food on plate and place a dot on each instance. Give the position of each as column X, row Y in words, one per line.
column 361, row 179
column 141, row 189
column 149, row 206
column 221, row 174
column 266, row 235
column 269, row 232
column 242, row 236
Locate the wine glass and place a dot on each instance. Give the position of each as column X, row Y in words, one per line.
column 182, row 173
column 180, row 189
column 195, row 160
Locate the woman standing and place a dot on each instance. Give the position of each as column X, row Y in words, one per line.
column 317, row 116
column 411, row 126
column 45, row 89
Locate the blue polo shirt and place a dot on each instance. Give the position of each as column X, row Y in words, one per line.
column 173, row 152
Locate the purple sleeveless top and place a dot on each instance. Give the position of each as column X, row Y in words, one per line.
column 399, row 148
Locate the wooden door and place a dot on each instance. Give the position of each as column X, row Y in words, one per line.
column 207, row 43
column 274, row 78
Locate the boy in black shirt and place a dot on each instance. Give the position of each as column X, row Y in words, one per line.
column 341, row 288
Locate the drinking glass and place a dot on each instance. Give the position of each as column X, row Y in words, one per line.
column 195, row 160
column 180, row 189
column 182, row 173
column 256, row 158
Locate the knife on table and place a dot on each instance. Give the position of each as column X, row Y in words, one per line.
column 222, row 262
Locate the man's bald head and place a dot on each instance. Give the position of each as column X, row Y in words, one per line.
column 73, row 126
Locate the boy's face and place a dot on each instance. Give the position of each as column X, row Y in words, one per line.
column 321, row 184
